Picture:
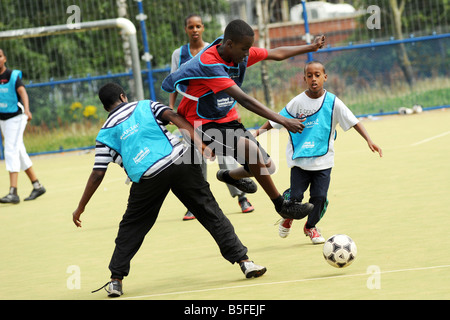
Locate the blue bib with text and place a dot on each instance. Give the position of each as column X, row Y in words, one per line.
column 314, row 140
column 209, row 106
column 139, row 140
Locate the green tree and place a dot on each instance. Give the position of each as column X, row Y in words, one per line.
column 165, row 24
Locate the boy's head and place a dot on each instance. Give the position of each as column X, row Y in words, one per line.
column 237, row 40
column 315, row 76
column 193, row 26
column 111, row 94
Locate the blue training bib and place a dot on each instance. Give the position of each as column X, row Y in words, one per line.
column 139, row 140
column 315, row 137
column 209, row 106
column 8, row 96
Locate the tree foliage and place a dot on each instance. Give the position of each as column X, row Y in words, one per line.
column 98, row 51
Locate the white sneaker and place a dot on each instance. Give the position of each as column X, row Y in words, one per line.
column 314, row 234
column 252, row 270
column 284, row 227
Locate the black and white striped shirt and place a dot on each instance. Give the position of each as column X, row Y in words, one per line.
column 104, row 155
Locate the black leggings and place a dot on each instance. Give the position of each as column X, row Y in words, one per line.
column 318, row 182
column 144, row 203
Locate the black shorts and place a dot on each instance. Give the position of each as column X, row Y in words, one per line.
column 222, row 138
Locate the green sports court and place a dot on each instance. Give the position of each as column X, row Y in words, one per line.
column 383, row 59
column 395, row 209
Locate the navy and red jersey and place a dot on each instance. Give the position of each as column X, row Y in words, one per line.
column 199, row 87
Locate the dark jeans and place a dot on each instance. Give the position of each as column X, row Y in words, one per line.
column 145, row 200
column 318, row 181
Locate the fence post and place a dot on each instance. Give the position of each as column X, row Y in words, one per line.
column 307, row 34
column 147, row 56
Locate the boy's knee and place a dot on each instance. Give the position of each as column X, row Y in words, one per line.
column 271, row 167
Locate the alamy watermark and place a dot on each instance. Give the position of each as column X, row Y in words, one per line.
column 374, row 21
column 240, row 145
column 74, row 20
column 374, row 279
column 74, row 280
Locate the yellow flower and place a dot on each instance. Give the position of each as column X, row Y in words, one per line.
column 76, row 105
column 90, row 111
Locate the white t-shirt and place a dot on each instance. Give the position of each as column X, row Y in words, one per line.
column 302, row 104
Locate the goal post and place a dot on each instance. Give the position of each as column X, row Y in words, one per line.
column 126, row 25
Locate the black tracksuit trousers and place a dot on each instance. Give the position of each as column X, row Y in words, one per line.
column 145, row 200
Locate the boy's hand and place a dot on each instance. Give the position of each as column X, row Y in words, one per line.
column 294, row 125
column 319, row 42
column 76, row 217
column 375, row 148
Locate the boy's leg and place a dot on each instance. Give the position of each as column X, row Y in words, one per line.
column 228, row 163
column 196, row 195
column 300, row 180
column 318, row 195
column 233, row 139
column 299, row 183
column 257, row 165
column 144, row 203
column 320, row 181
column 203, row 165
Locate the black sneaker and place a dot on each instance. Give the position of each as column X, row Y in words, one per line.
column 246, row 206
column 295, row 210
column 188, row 216
column 36, row 193
column 246, row 185
column 113, row 287
column 10, row 198
column 252, row 270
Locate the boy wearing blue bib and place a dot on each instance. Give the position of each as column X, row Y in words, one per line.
column 134, row 136
column 14, row 116
column 210, row 83
column 310, row 154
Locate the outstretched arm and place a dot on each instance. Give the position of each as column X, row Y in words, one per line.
column 95, row 179
column 363, row 132
column 250, row 103
column 282, row 53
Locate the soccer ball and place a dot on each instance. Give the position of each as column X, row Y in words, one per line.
column 339, row 250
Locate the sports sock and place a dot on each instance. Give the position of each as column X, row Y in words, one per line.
column 278, row 202
column 226, row 177
column 13, row 190
column 36, row 184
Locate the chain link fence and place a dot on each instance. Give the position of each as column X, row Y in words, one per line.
column 366, row 42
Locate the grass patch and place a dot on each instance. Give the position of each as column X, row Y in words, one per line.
column 76, row 135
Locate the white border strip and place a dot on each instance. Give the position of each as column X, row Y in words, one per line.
column 431, row 138
column 279, row 282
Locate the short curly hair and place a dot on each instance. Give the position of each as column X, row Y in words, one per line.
column 236, row 30
column 109, row 94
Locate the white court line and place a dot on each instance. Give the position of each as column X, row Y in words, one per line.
column 431, row 138
column 279, row 282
